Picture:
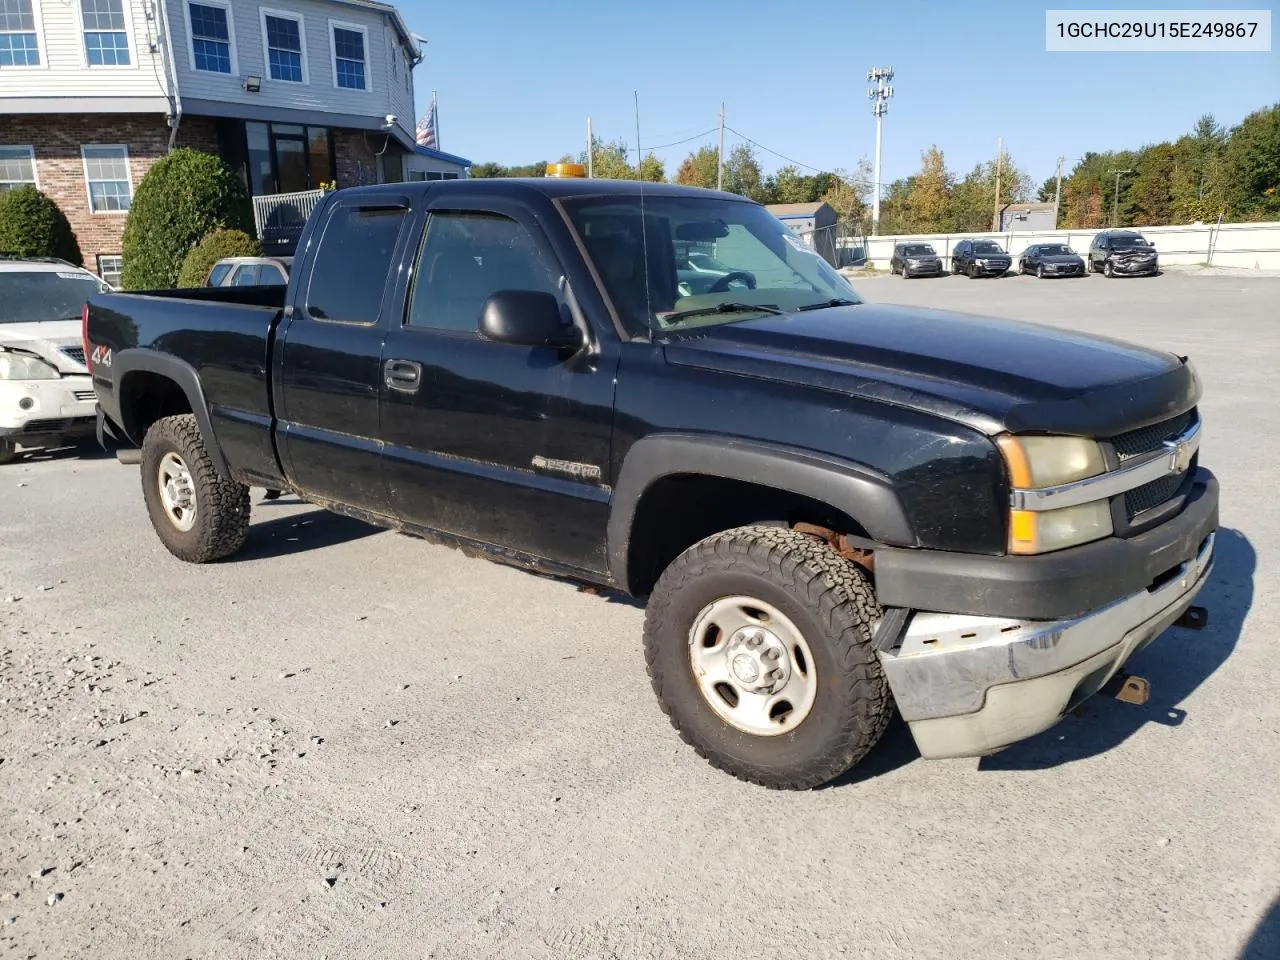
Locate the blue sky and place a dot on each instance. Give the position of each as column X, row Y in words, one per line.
column 517, row 80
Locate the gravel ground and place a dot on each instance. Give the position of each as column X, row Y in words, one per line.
column 347, row 742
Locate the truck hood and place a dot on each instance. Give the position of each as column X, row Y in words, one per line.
column 46, row 340
column 990, row 374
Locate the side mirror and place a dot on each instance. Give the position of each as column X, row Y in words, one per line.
column 527, row 318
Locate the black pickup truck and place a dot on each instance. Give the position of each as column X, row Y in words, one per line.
column 832, row 507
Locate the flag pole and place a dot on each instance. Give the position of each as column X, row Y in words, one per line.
column 435, row 115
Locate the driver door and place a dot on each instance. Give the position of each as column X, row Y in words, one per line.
column 502, row 444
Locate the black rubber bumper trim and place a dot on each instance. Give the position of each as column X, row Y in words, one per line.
column 1050, row 587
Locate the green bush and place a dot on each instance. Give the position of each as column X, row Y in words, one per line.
column 32, row 225
column 215, row 245
column 182, row 197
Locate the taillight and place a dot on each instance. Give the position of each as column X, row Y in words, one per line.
column 84, row 338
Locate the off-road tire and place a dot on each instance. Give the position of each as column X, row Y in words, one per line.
column 222, row 505
column 8, row 452
column 828, row 598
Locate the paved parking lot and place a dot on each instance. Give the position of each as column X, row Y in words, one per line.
column 347, row 742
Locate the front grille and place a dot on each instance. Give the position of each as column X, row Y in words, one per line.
column 75, row 353
column 1152, row 494
column 55, row 426
column 1145, row 440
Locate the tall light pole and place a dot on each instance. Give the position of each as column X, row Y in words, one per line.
column 1057, row 194
column 879, row 95
column 1115, row 207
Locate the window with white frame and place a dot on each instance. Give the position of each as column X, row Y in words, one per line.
column 110, row 266
column 106, row 172
column 106, row 39
column 348, row 43
column 282, row 35
column 212, row 46
column 17, row 167
column 19, row 40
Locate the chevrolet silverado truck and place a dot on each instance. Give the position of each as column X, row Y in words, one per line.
column 831, row 507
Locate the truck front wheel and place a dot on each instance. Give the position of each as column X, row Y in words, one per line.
column 199, row 515
column 758, row 642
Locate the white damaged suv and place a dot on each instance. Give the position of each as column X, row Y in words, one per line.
column 46, row 393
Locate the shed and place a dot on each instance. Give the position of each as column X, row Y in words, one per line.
column 1026, row 217
column 427, row 164
column 814, row 223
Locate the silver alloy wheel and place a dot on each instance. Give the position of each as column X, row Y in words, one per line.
column 753, row 666
column 177, row 491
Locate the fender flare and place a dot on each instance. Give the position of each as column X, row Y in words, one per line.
column 144, row 360
column 863, row 493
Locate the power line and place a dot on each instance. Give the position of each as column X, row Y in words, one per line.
column 797, row 163
column 676, row 143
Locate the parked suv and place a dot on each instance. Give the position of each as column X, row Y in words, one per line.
column 45, row 390
column 980, row 258
column 1123, row 253
column 915, row 260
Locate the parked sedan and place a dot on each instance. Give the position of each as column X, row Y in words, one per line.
column 250, row 272
column 1051, row 260
column 980, row 258
column 915, row 260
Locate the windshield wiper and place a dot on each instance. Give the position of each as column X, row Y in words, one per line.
column 732, row 306
column 833, row 302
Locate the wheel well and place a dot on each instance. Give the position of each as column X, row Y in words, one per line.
column 676, row 512
column 146, row 397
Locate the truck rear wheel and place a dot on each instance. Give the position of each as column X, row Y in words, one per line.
column 758, row 642
column 198, row 515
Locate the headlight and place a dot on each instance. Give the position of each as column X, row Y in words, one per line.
column 21, row 366
column 1038, row 462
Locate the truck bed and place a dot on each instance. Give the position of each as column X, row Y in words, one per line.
column 223, row 335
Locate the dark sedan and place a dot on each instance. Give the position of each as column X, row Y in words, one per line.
column 1051, row 260
column 915, row 260
column 980, row 258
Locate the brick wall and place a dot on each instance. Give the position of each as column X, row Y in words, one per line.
column 356, row 163
column 60, row 170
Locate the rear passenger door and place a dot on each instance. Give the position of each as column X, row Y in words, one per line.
column 328, row 356
column 504, row 444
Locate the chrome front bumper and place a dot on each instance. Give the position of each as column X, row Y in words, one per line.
column 968, row 686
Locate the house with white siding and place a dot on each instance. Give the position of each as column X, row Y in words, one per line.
column 291, row 94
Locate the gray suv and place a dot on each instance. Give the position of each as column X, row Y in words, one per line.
column 1123, row 253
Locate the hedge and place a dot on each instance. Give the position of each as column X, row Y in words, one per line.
column 32, row 225
column 215, row 245
column 183, row 196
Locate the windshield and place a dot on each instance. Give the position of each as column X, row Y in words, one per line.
column 699, row 261
column 1056, row 250
column 986, row 246
column 917, row 250
column 1128, row 243
column 35, row 296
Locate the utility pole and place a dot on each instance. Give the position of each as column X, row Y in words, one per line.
column 720, row 155
column 879, row 95
column 1115, row 207
column 995, row 216
column 1057, row 194
column 591, row 165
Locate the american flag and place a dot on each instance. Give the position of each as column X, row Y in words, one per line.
column 426, row 131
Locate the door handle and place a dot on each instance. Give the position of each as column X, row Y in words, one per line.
column 402, row 375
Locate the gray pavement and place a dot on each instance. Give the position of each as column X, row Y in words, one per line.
column 350, row 743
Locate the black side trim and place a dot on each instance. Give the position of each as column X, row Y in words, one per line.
column 141, row 359
column 858, row 491
column 1050, row 587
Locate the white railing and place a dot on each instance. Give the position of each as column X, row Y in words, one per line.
column 283, row 215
